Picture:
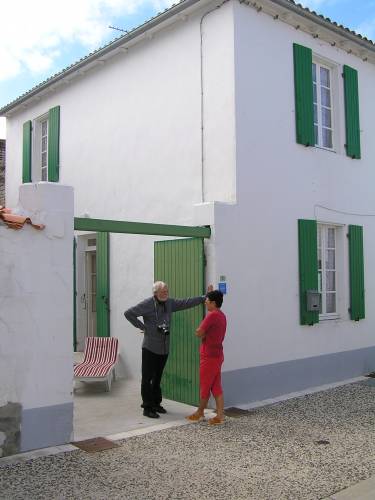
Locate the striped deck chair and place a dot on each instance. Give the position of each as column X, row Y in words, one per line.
column 99, row 360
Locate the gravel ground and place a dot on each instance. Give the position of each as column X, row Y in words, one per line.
column 272, row 453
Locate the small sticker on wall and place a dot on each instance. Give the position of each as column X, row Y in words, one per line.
column 223, row 287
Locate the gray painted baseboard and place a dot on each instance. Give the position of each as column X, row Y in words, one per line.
column 46, row 426
column 269, row 381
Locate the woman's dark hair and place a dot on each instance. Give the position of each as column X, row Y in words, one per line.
column 215, row 296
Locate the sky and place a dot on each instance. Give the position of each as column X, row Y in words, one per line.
column 41, row 37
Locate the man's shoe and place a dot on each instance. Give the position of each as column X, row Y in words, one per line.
column 216, row 421
column 159, row 409
column 150, row 413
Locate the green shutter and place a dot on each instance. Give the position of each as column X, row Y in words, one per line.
column 74, row 295
column 308, row 267
column 356, row 271
column 102, row 285
column 303, row 91
column 53, row 144
column 353, row 141
column 26, row 152
column 180, row 263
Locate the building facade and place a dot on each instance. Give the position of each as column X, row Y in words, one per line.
column 255, row 120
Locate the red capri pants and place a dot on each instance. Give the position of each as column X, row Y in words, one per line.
column 210, row 376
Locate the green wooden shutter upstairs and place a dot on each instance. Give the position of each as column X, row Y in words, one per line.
column 356, row 271
column 53, row 144
column 353, row 140
column 303, row 91
column 26, row 152
column 308, row 267
column 102, row 285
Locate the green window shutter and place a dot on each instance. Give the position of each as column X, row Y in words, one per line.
column 303, row 91
column 53, row 144
column 26, row 152
column 102, row 284
column 308, row 267
column 353, row 141
column 356, row 271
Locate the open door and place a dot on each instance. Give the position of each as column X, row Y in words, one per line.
column 102, row 285
column 180, row 263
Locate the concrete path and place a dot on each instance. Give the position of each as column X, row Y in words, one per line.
column 308, row 448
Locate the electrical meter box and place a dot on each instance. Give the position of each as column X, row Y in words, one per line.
column 313, row 300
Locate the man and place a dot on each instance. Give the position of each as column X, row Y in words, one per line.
column 157, row 314
column 212, row 332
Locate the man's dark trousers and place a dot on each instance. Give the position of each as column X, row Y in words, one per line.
column 152, row 371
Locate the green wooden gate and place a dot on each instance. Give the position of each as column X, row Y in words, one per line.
column 180, row 263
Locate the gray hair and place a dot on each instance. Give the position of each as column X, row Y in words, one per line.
column 158, row 285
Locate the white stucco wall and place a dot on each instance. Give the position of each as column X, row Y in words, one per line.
column 130, row 144
column 279, row 182
column 36, row 362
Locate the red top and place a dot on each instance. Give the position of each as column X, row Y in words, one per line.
column 214, row 326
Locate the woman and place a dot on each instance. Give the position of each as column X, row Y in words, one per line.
column 212, row 332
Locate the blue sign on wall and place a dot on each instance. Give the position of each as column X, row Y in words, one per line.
column 223, row 287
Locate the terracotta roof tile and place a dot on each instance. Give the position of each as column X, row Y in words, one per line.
column 13, row 221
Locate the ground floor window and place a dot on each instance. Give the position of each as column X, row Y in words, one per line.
column 327, row 271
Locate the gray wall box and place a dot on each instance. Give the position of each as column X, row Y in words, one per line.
column 10, row 423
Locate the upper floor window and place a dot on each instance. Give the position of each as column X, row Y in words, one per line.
column 323, row 106
column 41, row 148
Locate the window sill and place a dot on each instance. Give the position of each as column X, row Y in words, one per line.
column 325, row 149
column 328, row 317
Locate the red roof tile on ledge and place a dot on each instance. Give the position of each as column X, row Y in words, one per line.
column 16, row 221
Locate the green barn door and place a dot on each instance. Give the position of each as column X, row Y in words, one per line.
column 180, row 263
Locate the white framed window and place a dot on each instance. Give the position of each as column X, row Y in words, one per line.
column 323, row 105
column 328, row 241
column 40, row 149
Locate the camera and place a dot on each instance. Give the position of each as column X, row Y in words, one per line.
column 163, row 328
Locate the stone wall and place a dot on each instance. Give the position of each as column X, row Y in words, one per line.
column 10, row 429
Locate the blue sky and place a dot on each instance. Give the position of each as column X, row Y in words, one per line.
column 51, row 35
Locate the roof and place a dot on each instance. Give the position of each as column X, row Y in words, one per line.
column 167, row 14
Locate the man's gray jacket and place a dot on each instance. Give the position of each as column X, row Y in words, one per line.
column 156, row 313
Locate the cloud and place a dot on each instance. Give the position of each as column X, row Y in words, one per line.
column 367, row 29
column 33, row 33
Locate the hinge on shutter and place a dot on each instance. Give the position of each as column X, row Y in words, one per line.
column 204, row 259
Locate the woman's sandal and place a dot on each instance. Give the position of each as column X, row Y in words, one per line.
column 195, row 418
column 216, row 421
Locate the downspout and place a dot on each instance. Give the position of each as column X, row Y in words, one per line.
column 202, row 95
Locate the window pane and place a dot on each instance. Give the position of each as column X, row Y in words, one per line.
column 44, row 128
column 319, row 259
column 324, row 77
column 44, row 174
column 331, row 281
column 44, row 143
column 314, row 72
column 319, row 282
column 326, row 97
column 326, row 118
column 316, row 135
column 330, row 259
column 327, row 138
column 331, row 302
column 44, row 159
column 331, row 237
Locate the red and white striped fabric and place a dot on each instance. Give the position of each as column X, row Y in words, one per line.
column 99, row 357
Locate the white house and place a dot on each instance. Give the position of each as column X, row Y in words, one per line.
column 253, row 118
